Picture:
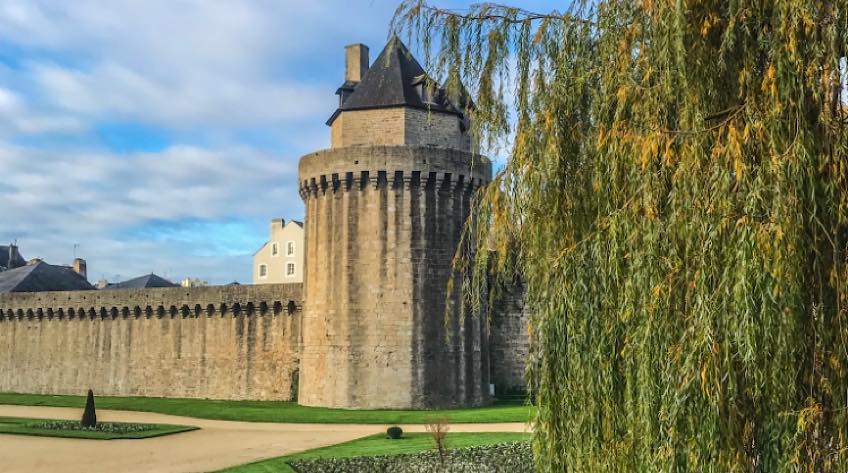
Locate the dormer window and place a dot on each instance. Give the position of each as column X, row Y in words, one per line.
column 423, row 91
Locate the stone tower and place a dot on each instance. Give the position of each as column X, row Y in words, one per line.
column 385, row 206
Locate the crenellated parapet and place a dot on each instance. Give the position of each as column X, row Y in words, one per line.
column 392, row 167
column 236, row 300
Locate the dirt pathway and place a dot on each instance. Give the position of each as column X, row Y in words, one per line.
column 218, row 444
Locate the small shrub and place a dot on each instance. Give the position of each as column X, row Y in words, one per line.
column 89, row 416
column 293, row 387
column 394, row 432
column 438, row 429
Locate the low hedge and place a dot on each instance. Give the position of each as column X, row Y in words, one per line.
column 108, row 427
column 507, row 458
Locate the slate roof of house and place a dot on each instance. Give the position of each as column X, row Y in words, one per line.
column 40, row 277
column 4, row 258
column 142, row 282
column 390, row 82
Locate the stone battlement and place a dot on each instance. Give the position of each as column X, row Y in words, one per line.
column 391, row 166
column 266, row 299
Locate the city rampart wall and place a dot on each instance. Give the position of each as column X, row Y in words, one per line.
column 222, row 342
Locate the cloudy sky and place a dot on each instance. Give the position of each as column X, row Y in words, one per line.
column 163, row 135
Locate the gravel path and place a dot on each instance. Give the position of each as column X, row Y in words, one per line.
column 218, row 444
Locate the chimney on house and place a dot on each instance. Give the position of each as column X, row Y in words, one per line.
column 356, row 62
column 80, row 267
column 14, row 256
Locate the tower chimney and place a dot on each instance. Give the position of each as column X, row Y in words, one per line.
column 356, row 62
column 80, row 267
column 14, row 256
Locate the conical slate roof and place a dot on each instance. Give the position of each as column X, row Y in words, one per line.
column 39, row 277
column 391, row 82
column 142, row 282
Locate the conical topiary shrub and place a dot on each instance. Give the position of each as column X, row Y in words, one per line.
column 89, row 417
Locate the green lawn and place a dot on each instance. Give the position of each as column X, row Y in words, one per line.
column 378, row 445
column 280, row 411
column 24, row 426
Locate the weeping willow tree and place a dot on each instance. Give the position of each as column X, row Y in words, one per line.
column 676, row 200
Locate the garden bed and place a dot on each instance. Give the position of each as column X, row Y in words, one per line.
column 514, row 457
column 73, row 429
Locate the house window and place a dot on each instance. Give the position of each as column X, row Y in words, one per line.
column 274, row 250
column 263, row 271
column 290, row 269
column 290, row 248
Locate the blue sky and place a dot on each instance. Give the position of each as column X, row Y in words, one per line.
column 163, row 135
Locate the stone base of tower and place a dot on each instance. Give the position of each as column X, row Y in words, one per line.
column 382, row 227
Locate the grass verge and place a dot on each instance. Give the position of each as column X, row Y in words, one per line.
column 281, row 411
column 24, row 426
column 379, row 445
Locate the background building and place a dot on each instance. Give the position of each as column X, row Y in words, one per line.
column 10, row 258
column 194, row 282
column 280, row 260
column 18, row 275
column 141, row 282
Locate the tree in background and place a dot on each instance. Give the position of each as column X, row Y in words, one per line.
column 89, row 416
column 676, row 200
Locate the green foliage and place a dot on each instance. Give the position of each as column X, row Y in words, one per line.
column 89, row 416
column 394, row 432
column 514, row 458
column 675, row 200
column 295, row 383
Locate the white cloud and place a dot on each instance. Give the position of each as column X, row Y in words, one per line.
column 52, row 199
column 100, row 190
column 183, row 63
column 112, row 90
column 17, row 117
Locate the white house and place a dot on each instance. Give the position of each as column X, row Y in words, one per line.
column 280, row 260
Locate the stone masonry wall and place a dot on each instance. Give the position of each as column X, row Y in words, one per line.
column 382, row 226
column 398, row 126
column 383, row 126
column 227, row 342
column 424, row 128
column 510, row 341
